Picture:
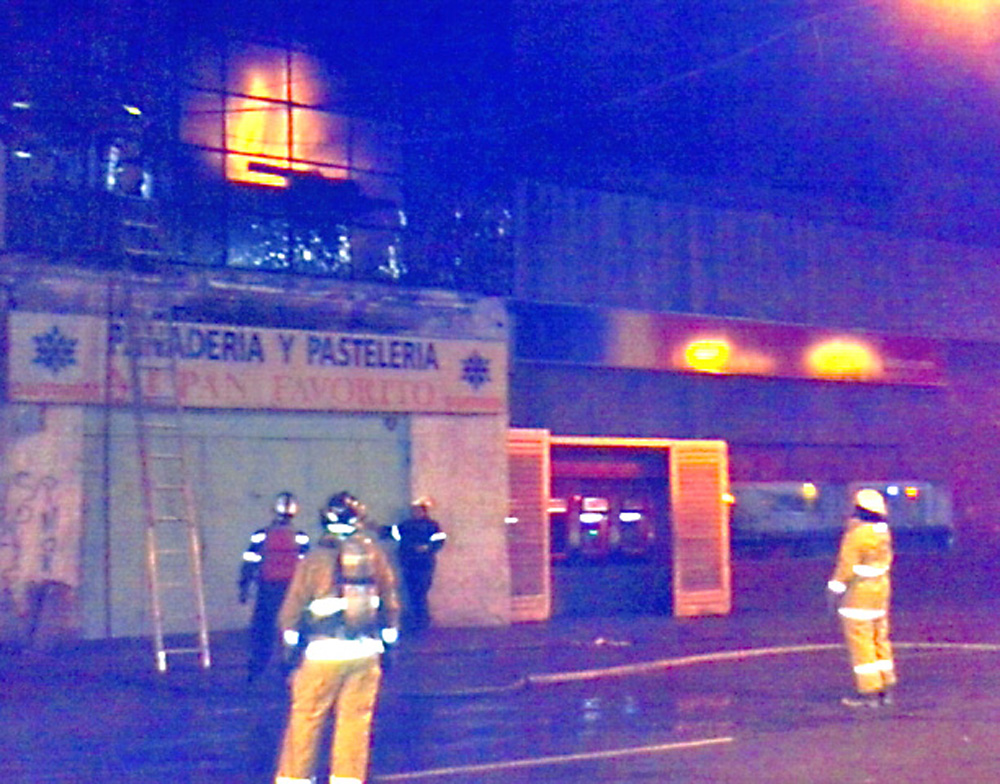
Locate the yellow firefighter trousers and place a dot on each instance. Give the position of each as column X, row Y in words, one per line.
column 870, row 653
column 349, row 688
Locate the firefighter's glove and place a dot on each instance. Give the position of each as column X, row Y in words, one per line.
column 390, row 636
column 834, row 591
column 291, row 650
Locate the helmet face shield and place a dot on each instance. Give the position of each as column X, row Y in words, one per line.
column 338, row 528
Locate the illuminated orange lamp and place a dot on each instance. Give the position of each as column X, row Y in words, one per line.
column 971, row 20
column 911, row 492
column 843, row 358
column 708, row 355
column 809, row 491
column 969, row 29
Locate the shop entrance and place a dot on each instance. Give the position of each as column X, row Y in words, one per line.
column 601, row 525
column 609, row 526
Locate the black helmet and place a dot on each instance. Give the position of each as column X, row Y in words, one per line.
column 285, row 504
column 340, row 514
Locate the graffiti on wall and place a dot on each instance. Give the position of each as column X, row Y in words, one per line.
column 40, row 526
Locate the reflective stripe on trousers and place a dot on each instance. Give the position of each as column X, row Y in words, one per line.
column 870, row 652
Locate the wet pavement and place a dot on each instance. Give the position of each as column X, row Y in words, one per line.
column 626, row 698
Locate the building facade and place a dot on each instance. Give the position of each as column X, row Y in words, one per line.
column 825, row 355
column 338, row 321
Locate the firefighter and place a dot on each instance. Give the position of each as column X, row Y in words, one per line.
column 269, row 563
column 860, row 586
column 418, row 539
column 341, row 611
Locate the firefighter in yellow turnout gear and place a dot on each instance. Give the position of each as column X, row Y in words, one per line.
column 343, row 607
column 861, row 586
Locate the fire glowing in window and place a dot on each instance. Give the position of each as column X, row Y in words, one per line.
column 843, row 358
column 269, row 130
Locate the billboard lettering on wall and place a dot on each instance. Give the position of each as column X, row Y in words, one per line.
column 64, row 358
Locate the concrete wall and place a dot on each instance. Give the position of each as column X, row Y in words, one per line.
column 240, row 461
column 462, row 462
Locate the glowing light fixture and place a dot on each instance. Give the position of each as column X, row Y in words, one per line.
column 135, row 111
column 20, row 104
column 969, row 29
column 843, row 358
column 911, row 492
column 809, row 491
column 708, row 355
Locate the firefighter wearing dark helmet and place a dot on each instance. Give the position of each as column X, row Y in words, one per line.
column 861, row 586
column 269, row 563
column 341, row 611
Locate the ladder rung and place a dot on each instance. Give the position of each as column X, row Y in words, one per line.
column 169, row 519
column 182, row 650
column 143, row 252
column 165, row 456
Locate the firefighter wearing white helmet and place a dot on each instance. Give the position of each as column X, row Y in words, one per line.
column 418, row 539
column 343, row 604
column 861, row 586
column 268, row 564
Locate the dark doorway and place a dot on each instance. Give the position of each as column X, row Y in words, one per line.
column 610, row 531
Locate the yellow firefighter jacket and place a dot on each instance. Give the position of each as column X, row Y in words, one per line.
column 862, row 571
column 316, row 577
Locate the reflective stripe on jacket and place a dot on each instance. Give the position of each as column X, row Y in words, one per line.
column 864, row 562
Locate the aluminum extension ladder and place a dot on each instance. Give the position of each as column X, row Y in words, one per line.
column 172, row 534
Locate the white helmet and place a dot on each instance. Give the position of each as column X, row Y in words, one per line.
column 285, row 505
column 870, row 501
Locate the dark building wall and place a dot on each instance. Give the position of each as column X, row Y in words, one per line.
column 641, row 252
column 776, row 429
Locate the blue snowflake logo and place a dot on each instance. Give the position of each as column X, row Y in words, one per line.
column 475, row 370
column 54, row 350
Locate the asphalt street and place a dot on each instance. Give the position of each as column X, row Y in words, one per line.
column 748, row 697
